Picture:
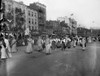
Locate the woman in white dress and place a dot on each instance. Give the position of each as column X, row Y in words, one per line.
column 39, row 43
column 83, row 43
column 4, row 52
column 74, row 43
column 29, row 46
column 48, row 46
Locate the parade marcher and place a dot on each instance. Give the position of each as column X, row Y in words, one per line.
column 39, row 43
column 8, row 49
column 78, row 41
column 58, row 44
column 63, row 46
column 43, row 44
column 83, row 43
column 69, row 43
column 3, row 50
column 48, row 45
column 53, row 44
column 3, row 56
column 29, row 48
column 66, row 40
column 74, row 42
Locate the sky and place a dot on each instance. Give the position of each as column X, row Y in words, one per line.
column 86, row 12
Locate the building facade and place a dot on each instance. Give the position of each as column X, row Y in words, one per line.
column 11, row 12
column 17, row 13
column 60, row 19
column 32, row 19
column 51, row 26
column 72, row 23
column 66, row 19
column 41, row 9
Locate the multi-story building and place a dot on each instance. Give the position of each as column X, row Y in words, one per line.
column 10, row 12
column 30, row 16
column 41, row 9
column 72, row 23
column 51, row 26
column 32, row 19
column 60, row 19
column 66, row 19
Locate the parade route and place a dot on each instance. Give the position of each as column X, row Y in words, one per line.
column 72, row 62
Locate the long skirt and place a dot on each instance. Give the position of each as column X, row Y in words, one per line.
column 5, row 53
column 39, row 47
column 14, row 48
column 43, row 46
column 48, row 48
column 83, row 46
column 74, row 43
column 29, row 48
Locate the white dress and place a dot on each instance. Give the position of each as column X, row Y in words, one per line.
column 3, row 53
column 8, row 47
column 39, row 43
column 48, row 46
column 74, row 43
column 83, row 43
column 29, row 46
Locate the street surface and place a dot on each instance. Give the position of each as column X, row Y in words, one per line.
column 72, row 62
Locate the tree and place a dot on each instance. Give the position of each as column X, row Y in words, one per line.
column 10, row 18
column 59, row 32
column 65, row 27
column 20, row 19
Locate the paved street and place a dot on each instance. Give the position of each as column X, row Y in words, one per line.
column 72, row 62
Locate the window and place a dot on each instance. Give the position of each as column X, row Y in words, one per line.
column 29, row 27
column 33, row 27
column 29, row 21
column 32, row 21
column 35, row 14
column 32, row 14
column 37, row 28
column 29, row 13
column 35, row 22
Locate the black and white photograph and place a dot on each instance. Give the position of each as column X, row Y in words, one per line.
column 49, row 37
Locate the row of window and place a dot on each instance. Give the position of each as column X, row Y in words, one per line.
column 33, row 27
column 32, row 14
column 32, row 21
